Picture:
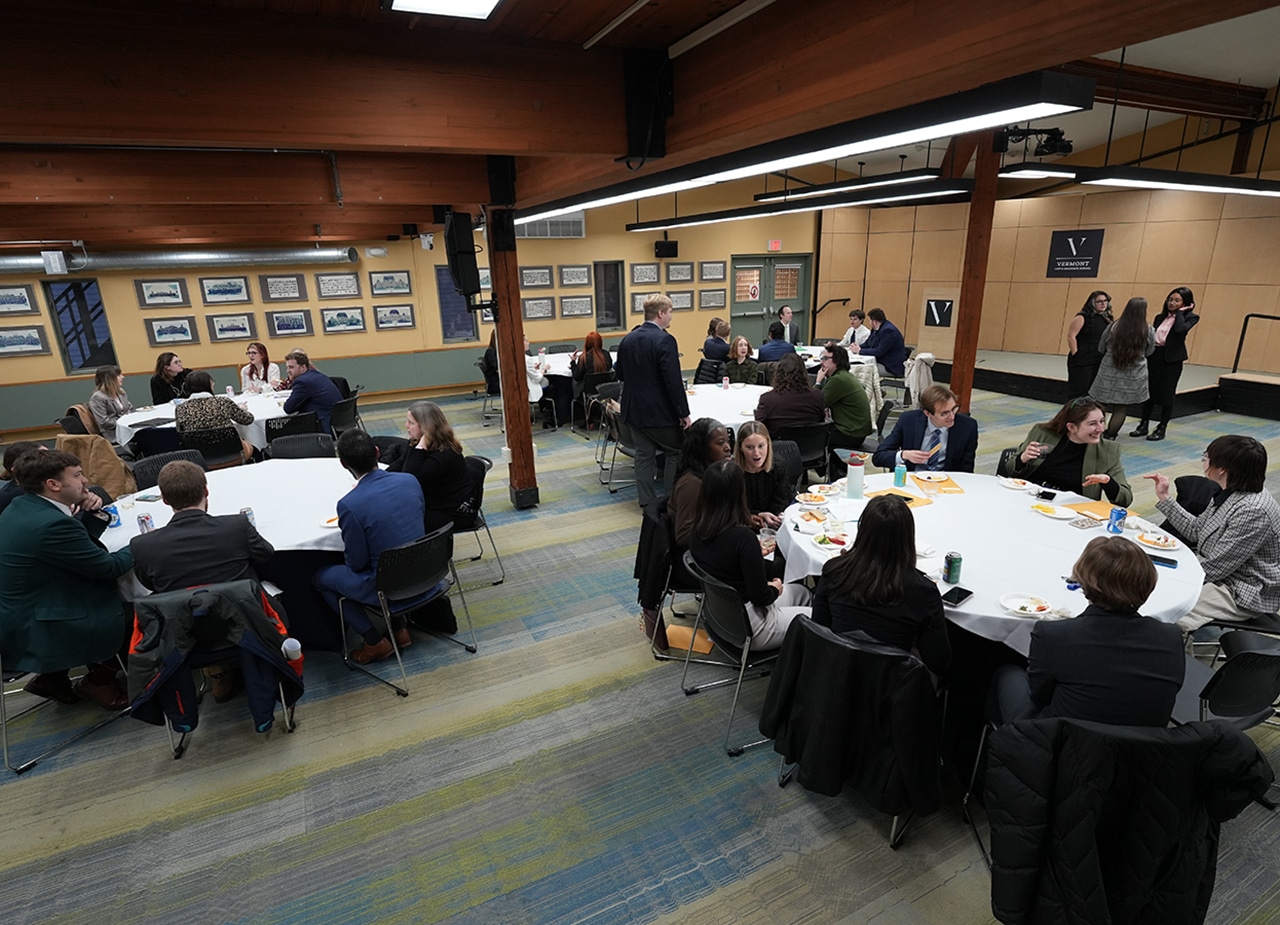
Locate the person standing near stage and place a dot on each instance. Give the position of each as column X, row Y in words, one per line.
column 1083, row 334
column 1164, row 369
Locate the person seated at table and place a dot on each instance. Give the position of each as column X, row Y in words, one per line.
column 1108, row 665
column 1237, row 537
column 59, row 603
column 384, row 510
column 435, row 460
column 1068, row 453
column 716, row 346
column 875, row 587
column 790, row 330
column 10, row 488
column 739, row 367
column 109, row 401
column 705, row 442
column 593, row 359
column 858, row 332
column 792, row 402
column 885, row 343
column 310, row 389
column 769, row 491
column 259, row 374
column 775, row 346
column 205, row 411
column 724, row 545
column 847, row 400
column 543, row 390
column 489, row 366
column 937, row 436
column 166, row 384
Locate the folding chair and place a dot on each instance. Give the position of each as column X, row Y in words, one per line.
column 302, row 446
column 345, row 416
column 220, row 446
column 586, row 400
column 146, row 471
column 478, row 468
column 304, row 422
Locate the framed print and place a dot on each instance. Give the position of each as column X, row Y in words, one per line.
column 389, row 282
column 486, row 313
column 576, row 275
column 540, row 309
column 711, row 271
column 337, row 286
column 23, row 342
column 536, row 278
column 681, row 301
column 283, row 287
column 289, row 324
column 638, row 300
column 164, row 331
column 387, row 317
column 712, row 298
column 232, row 327
column 644, row 273
column 342, row 320
column 576, row 306
column 18, row 300
column 154, row 293
column 486, row 281
column 680, row 272
column 217, row 290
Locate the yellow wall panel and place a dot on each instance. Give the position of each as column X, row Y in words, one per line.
column 948, row 217
column 1031, row 253
column 889, row 256
column 937, row 255
column 1177, row 250
column 1000, row 258
column 1111, row 208
column 1222, row 309
column 1034, row 320
column 995, row 309
column 1174, row 206
column 899, row 219
column 1246, row 252
column 846, row 221
column 890, row 295
column 1008, row 213
column 1251, row 207
column 847, row 258
column 1121, row 246
column 1056, row 211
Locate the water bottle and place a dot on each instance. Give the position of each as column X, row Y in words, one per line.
column 291, row 649
column 899, row 476
column 231, row 391
column 853, row 481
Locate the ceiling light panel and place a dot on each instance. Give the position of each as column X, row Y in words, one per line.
column 462, row 9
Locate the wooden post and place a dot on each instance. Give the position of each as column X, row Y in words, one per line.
column 509, row 323
column 973, row 281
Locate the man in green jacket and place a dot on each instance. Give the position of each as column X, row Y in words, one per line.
column 848, row 403
column 59, row 603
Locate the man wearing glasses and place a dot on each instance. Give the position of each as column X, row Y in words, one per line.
column 847, row 401
column 937, row 437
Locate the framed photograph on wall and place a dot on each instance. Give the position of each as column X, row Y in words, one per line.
column 644, row 274
column 342, row 320
column 536, row 278
column 389, row 282
column 337, row 286
column 155, row 293
column 232, row 327
column 711, row 298
column 540, row 309
column 18, row 300
column 711, row 271
column 283, row 287
column 23, row 342
column 637, row 301
column 219, row 290
column 162, row 332
column 575, row 275
column 486, row 314
column 576, row 306
column 389, row 317
column 486, row 280
column 292, row 323
column 680, row 272
column 681, row 301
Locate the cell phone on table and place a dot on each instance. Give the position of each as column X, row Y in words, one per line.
column 956, row 596
column 1046, row 495
column 146, row 497
column 1164, row 561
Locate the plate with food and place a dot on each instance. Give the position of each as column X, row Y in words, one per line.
column 823, row 489
column 811, row 497
column 832, row 542
column 330, row 522
column 813, row 517
column 1015, row 484
column 1025, row 605
column 1051, row 510
column 931, row 476
column 1158, row 540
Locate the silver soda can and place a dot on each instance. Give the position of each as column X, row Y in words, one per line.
column 145, row 523
column 248, row 512
column 951, row 568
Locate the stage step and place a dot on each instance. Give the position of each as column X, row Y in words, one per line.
column 1251, row 394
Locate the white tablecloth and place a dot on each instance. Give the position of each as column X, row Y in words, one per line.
column 812, row 356
column 1007, row 548
column 263, row 406
column 729, row 406
column 559, row 363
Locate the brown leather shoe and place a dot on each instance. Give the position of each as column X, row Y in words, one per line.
column 403, row 639
column 109, row 696
column 372, row 653
column 53, row 686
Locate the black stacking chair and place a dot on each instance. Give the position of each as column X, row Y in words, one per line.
column 812, row 443
column 305, row 422
column 151, row 441
column 1004, row 468
column 787, row 454
column 1240, row 692
column 303, row 446
column 591, row 383
column 478, row 467
column 345, row 416
column 146, row 471
column 220, row 446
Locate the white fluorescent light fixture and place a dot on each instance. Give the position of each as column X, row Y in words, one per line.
column 462, row 9
column 1034, row 170
column 941, row 189
column 1150, row 178
column 919, row 175
column 1038, row 95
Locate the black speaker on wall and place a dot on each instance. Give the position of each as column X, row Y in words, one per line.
column 460, row 251
column 666, row 249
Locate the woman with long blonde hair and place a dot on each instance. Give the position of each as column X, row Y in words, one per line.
column 109, row 401
column 435, row 460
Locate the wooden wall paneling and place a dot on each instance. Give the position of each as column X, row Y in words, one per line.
column 1121, row 248
column 889, row 255
column 1245, row 252
column 1175, row 206
column 945, row 217
column 995, row 311
column 1000, row 261
column 937, row 255
column 845, row 258
column 1114, row 208
column 900, row 218
column 1176, row 250
column 1031, row 253
column 1008, row 213
column 1054, row 212
column 1250, row 207
column 888, row 294
column 1035, row 317
column 847, row 221
column 1222, row 309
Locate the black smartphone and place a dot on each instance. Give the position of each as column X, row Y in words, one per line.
column 1163, row 560
column 1046, row 495
column 956, row 596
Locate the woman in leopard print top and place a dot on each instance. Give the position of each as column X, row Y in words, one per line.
column 205, row 411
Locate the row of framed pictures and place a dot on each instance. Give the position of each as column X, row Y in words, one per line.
column 293, row 322
column 682, row 300
column 272, row 287
column 709, row 271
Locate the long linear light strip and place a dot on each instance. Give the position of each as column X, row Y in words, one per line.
column 1150, row 178
column 949, row 188
column 463, row 9
column 1034, row 170
column 854, row 183
column 863, row 146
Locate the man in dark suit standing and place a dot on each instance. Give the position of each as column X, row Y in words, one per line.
column 311, row 390
column 654, row 404
column 789, row 326
column 885, row 343
column 936, row 437
column 382, row 511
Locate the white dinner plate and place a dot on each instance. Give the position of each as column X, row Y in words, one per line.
column 1015, row 484
column 823, row 542
column 1158, row 540
column 931, row 476
column 1025, row 605
column 332, row 522
column 823, row 489
column 1057, row 513
column 737, row 385
column 747, row 414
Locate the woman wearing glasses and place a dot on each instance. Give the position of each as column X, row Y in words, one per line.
column 1083, row 335
column 1068, row 453
column 259, row 374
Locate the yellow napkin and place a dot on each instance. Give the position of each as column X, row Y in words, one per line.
column 947, row 486
column 912, row 500
column 1098, row 510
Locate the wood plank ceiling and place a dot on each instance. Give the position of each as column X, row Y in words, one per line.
column 272, row 121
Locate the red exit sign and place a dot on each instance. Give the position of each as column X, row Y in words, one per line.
column 775, row 245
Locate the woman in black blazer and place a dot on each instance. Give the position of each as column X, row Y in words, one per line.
column 1164, row 367
column 435, row 460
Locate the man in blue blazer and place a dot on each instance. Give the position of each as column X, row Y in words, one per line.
column 913, row 442
column 382, row 511
column 311, row 390
column 885, row 343
column 776, row 346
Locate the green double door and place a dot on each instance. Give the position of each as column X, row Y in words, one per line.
column 761, row 285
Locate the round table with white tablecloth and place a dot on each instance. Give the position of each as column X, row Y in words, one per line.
column 559, row 363
column 1007, row 547
column 261, row 406
column 729, row 406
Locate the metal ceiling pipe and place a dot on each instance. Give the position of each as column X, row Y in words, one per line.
column 181, row 260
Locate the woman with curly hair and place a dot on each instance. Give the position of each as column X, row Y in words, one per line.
column 792, row 402
column 1083, row 334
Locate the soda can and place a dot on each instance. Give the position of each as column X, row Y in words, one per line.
column 231, row 390
column 114, row 513
column 899, row 476
column 951, row 568
column 145, row 523
column 724, row 383
column 248, row 512
column 1115, row 523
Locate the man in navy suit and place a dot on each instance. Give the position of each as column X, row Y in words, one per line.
column 384, row 510
column 312, row 390
column 776, row 346
column 936, row 437
column 885, row 343
column 654, row 404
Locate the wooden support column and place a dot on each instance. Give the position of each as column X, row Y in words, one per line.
column 509, row 323
column 973, row 281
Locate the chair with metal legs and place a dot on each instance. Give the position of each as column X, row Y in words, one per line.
column 478, row 467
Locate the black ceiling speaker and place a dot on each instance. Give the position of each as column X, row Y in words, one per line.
column 666, row 249
column 650, row 97
column 460, row 252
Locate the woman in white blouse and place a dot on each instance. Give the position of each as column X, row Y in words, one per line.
column 259, row 374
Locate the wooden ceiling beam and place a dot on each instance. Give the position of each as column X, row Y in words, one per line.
column 1148, row 88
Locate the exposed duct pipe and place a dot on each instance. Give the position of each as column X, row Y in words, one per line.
column 180, row 260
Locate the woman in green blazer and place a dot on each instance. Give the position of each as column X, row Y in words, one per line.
column 1069, row 454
